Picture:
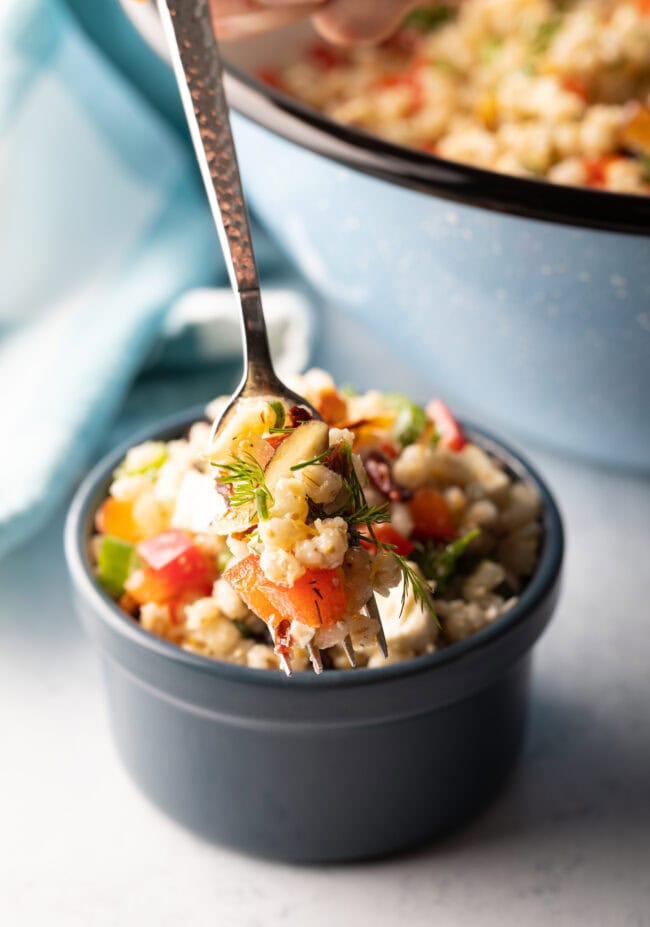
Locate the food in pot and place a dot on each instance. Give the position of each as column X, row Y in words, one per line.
column 535, row 88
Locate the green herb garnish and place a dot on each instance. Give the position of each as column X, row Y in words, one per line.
column 150, row 469
column 309, row 463
column 280, row 413
column 246, row 477
column 447, row 66
column 544, row 34
column 488, row 49
column 413, row 581
column 223, row 559
column 411, row 419
column 440, row 565
column 369, row 515
column 426, row 18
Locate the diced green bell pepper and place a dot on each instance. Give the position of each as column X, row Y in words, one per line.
column 116, row 560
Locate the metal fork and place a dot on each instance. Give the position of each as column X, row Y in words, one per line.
column 199, row 73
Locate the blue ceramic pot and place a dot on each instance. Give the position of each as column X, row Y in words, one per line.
column 346, row 765
column 526, row 304
column 541, row 325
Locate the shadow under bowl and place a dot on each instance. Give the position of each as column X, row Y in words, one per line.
column 347, row 765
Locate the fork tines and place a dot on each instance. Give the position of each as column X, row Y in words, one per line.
column 349, row 651
column 373, row 612
column 316, row 658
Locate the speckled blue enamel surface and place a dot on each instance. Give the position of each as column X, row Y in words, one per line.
column 530, row 325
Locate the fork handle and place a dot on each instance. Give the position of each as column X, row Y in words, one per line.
column 199, row 73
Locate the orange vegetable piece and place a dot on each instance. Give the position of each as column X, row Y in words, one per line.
column 115, row 517
column 431, row 516
column 173, row 567
column 331, row 406
column 317, row 599
column 575, row 85
column 636, row 134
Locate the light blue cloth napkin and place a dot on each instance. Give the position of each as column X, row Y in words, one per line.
column 103, row 225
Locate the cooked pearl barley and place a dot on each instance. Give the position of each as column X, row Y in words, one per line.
column 358, row 585
column 281, row 567
column 486, row 577
column 150, row 516
column 320, row 483
column 326, row 549
column 518, row 551
column 289, row 499
column 414, row 466
column 228, row 601
column 449, row 467
column 385, row 573
column 281, row 533
column 128, row 488
column 157, row 620
column 460, row 618
column 341, row 436
column 202, row 612
column 523, row 505
column 143, row 456
column 262, row 657
column 482, row 514
column 494, row 481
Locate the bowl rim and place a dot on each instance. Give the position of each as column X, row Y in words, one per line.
column 84, row 504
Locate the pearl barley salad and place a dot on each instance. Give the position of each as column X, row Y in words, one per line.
column 554, row 90
column 270, row 541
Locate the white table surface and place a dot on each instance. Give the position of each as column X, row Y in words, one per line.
column 566, row 843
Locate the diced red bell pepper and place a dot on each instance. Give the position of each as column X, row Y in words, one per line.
column 325, row 56
column 431, row 516
column 451, row 434
column 575, row 85
column 317, row 599
column 172, row 566
column 271, row 76
column 596, row 169
column 407, row 81
column 386, row 534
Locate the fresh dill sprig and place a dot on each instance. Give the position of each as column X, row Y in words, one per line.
column 440, row 565
column 246, row 477
column 369, row 515
column 413, row 581
column 309, row 463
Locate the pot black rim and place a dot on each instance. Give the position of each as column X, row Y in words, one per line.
column 418, row 170
column 92, row 490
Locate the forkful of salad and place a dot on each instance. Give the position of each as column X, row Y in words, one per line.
column 295, row 511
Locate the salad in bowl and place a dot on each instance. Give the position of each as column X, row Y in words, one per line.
column 264, row 546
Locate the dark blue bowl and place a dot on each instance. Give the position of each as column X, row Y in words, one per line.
column 347, row 765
